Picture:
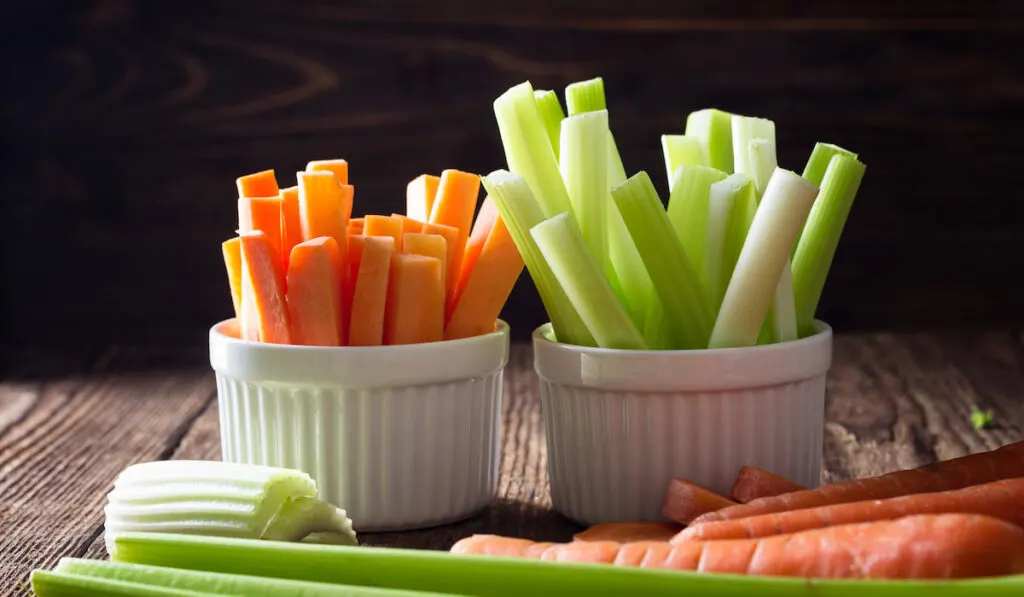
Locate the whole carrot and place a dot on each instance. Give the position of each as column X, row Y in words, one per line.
column 999, row 499
column 1005, row 463
column 943, row 546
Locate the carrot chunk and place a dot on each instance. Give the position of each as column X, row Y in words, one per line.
column 259, row 184
column 370, row 267
column 687, row 500
column 414, row 312
column 474, row 246
column 428, row 245
column 264, row 214
column 291, row 221
column 384, row 226
column 628, row 532
column 454, row 206
column 232, row 250
column 752, row 483
column 419, row 196
column 314, row 293
column 263, row 269
column 339, row 168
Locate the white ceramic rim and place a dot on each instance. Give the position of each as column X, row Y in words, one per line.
column 682, row 370
column 358, row 367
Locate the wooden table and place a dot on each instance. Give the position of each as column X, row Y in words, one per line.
column 67, row 429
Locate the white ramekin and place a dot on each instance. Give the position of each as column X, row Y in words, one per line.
column 401, row 437
column 621, row 424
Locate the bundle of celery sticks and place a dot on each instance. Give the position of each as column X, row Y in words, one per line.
column 738, row 258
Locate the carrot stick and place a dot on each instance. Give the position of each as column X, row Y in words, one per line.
column 454, row 206
column 371, row 289
column 264, row 214
column 943, row 546
column 686, row 500
column 409, row 225
column 384, row 226
column 998, row 499
column 1005, row 463
column 428, row 245
column 324, row 207
column 314, row 293
column 266, row 276
column 339, row 168
column 489, row 286
column 355, row 226
column 259, row 184
column 752, row 483
column 451, row 238
column 414, row 312
column 232, row 250
column 352, row 260
column 291, row 222
column 474, row 246
column 419, row 196
column 629, row 532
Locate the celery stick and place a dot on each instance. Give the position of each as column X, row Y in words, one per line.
column 821, row 155
column 783, row 311
column 214, row 583
column 680, row 150
column 744, row 130
column 584, row 169
column 585, row 96
column 520, row 212
column 817, row 246
column 743, row 211
column 565, row 251
column 714, row 129
column 46, row 583
column 715, row 272
column 527, row 148
column 763, row 163
column 685, row 305
column 551, row 114
column 778, row 220
column 688, row 208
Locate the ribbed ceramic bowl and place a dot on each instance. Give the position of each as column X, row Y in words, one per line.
column 401, row 437
column 621, row 424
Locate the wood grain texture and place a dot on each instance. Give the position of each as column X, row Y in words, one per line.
column 130, row 120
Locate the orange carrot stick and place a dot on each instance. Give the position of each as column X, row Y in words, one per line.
column 409, row 225
column 998, row 499
column 232, row 250
column 451, row 239
column 264, row 214
column 352, row 259
column 324, row 206
column 687, row 500
column 384, row 226
column 454, row 206
column 428, row 245
column 419, row 196
column 629, row 532
column 489, row 286
column 1005, row 463
column 339, row 168
column 752, row 483
column 259, row 184
column 291, row 221
column 355, row 226
column 474, row 246
column 414, row 312
column 370, row 267
column 314, row 293
column 266, row 276
column 943, row 546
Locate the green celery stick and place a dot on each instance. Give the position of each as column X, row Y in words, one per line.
column 821, row 155
column 219, row 583
column 817, row 246
column 762, row 163
column 489, row 576
column 715, row 272
column 688, row 207
column 680, row 150
column 585, row 96
column 783, row 211
column 686, row 308
column 46, row 583
column 714, row 129
column 520, row 212
column 744, row 130
column 551, row 114
column 744, row 209
column 584, row 167
column 565, row 251
column 528, row 150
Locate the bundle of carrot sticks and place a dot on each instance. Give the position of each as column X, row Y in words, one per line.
column 960, row 518
column 303, row 271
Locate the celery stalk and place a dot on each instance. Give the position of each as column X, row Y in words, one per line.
column 551, row 114
column 821, row 155
column 787, row 201
column 527, row 148
column 715, row 272
column 714, row 129
column 565, row 251
column 520, row 212
column 744, row 130
column 47, row 583
column 585, row 96
column 762, row 163
column 584, row 169
column 685, row 305
column 688, row 208
column 817, row 246
column 743, row 211
column 680, row 150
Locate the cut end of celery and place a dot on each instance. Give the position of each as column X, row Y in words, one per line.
column 714, row 129
column 551, row 114
column 585, row 96
column 680, row 150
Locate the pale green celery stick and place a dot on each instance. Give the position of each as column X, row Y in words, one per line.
column 744, row 130
column 763, row 163
column 220, row 498
column 817, row 247
column 742, row 215
column 821, row 155
column 778, row 220
column 565, row 251
column 680, row 150
column 219, row 583
column 714, row 129
column 585, row 96
column 715, row 272
column 520, row 212
column 682, row 297
column 489, row 576
column 688, row 208
column 584, row 169
column 551, row 113
column 527, row 148
column 46, row 583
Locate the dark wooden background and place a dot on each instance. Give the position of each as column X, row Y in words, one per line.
column 125, row 124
